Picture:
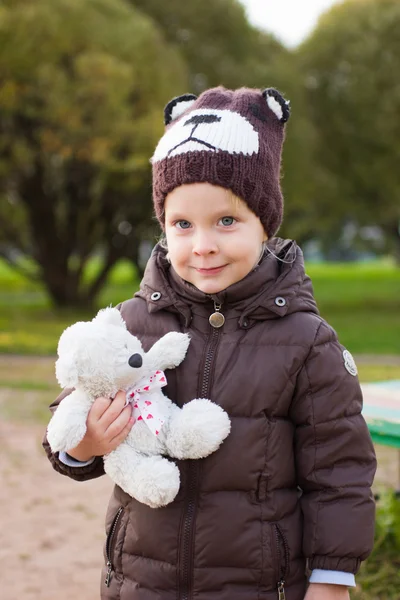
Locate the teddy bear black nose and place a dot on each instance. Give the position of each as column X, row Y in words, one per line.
column 135, row 361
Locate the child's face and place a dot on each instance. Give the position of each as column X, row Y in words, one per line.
column 214, row 240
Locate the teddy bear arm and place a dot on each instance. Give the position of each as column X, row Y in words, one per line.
column 67, row 426
column 169, row 351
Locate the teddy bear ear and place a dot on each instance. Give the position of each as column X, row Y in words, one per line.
column 109, row 316
column 177, row 106
column 66, row 370
column 277, row 103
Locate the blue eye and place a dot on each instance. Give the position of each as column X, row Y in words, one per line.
column 227, row 221
column 182, row 224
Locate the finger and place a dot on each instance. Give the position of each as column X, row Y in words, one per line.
column 119, row 423
column 114, row 410
column 99, row 407
column 118, row 439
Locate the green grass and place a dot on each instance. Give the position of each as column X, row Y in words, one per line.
column 28, row 385
column 361, row 301
column 379, row 576
column 28, row 322
column 368, row 373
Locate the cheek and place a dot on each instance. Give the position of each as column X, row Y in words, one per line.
column 248, row 248
column 178, row 249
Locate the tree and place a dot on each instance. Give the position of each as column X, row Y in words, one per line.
column 350, row 64
column 221, row 47
column 215, row 38
column 82, row 87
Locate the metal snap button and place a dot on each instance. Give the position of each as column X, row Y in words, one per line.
column 279, row 301
column 155, row 296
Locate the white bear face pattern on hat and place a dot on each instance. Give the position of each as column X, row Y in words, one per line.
column 228, row 138
column 208, row 129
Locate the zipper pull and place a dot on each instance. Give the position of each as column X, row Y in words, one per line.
column 108, row 576
column 217, row 319
column 281, row 590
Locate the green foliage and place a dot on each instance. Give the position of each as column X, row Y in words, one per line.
column 379, row 577
column 220, row 47
column 82, row 87
column 86, row 79
column 349, row 63
column 359, row 301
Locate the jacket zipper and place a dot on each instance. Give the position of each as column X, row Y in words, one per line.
column 109, row 540
column 284, row 561
column 193, row 478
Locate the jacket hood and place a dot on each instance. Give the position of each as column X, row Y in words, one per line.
column 276, row 287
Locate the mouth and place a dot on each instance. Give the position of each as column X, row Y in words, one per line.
column 211, row 271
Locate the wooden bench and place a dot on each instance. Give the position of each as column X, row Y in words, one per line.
column 382, row 412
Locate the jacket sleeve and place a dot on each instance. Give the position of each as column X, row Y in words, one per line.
column 80, row 473
column 335, row 459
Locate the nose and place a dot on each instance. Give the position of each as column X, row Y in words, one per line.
column 135, row 361
column 204, row 243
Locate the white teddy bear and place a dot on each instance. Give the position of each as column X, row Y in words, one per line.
column 100, row 357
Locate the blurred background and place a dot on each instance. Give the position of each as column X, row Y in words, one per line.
column 83, row 84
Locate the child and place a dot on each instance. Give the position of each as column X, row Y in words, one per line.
column 288, row 493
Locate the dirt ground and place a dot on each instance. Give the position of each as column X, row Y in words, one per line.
column 51, row 527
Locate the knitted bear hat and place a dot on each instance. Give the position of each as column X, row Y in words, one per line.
column 228, row 138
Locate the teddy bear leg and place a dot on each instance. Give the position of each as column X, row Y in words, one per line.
column 152, row 480
column 197, row 430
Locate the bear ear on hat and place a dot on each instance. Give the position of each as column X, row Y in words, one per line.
column 177, row 106
column 277, row 103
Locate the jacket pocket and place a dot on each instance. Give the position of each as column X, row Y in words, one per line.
column 262, row 485
column 110, row 542
column 281, row 558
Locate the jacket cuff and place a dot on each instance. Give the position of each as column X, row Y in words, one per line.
column 66, row 459
column 333, row 577
column 91, row 471
column 334, row 563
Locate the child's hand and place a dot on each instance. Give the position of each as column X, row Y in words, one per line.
column 108, row 424
column 327, row 591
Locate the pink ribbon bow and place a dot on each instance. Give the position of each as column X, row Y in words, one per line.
column 144, row 399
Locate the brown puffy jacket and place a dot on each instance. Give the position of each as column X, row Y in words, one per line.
column 289, row 488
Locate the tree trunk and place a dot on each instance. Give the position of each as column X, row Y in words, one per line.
column 393, row 233
column 64, row 288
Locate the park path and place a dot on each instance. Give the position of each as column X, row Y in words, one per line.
column 51, row 528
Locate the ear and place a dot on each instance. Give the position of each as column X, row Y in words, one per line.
column 109, row 316
column 177, row 106
column 66, row 371
column 277, row 103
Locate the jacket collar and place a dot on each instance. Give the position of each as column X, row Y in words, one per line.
column 277, row 286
